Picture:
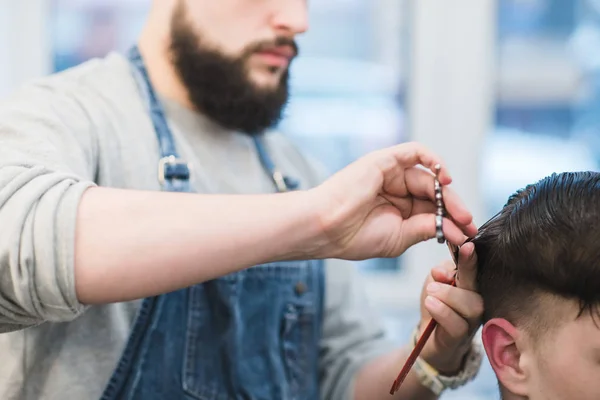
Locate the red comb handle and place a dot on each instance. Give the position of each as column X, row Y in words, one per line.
column 414, row 354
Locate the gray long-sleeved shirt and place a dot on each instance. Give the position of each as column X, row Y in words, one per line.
column 88, row 126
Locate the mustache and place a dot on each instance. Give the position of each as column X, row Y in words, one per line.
column 269, row 44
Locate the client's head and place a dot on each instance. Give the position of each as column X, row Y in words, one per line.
column 539, row 275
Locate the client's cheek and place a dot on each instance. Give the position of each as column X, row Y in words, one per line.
column 564, row 376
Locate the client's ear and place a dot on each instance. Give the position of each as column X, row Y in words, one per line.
column 503, row 346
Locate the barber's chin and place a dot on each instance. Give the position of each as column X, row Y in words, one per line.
column 266, row 78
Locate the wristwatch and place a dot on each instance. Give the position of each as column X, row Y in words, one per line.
column 430, row 378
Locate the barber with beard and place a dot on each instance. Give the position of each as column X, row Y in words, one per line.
column 146, row 254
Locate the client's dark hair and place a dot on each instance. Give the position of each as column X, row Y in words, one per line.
column 546, row 240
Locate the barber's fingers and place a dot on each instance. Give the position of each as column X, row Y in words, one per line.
column 443, row 273
column 417, row 185
column 403, row 177
column 419, row 206
column 466, row 274
column 421, row 227
column 394, row 160
column 454, row 325
column 458, row 310
column 420, row 184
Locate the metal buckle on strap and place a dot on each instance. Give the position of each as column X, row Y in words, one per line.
column 280, row 181
column 169, row 161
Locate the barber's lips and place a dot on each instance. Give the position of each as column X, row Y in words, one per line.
column 277, row 56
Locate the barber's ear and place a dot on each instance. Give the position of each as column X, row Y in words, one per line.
column 504, row 347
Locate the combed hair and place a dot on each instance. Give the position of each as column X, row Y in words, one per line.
column 545, row 240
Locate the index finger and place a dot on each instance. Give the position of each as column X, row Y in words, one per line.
column 412, row 154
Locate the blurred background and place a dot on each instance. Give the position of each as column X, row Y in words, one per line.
column 507, row 91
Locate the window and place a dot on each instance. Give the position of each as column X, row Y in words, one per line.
column 27, row 57
column 84, row 29
column 547, row 105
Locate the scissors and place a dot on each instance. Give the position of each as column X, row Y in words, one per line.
column 440, row 213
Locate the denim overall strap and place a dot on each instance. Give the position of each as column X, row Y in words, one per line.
column 173, row 172
column 282, row 183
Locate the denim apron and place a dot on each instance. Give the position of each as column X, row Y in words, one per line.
column 250, row 335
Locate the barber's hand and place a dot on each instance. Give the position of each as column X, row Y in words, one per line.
column 457, row 310
column 384, row 203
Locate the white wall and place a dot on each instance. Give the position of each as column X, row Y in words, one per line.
column 24, row 42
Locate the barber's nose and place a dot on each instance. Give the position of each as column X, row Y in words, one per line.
column 291, row 17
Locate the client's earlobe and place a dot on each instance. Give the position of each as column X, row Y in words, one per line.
column 500, row 339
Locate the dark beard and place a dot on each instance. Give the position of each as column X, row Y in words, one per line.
column 219, row 87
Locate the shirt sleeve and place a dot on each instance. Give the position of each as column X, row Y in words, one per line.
column 47, row 154
column 353, row 334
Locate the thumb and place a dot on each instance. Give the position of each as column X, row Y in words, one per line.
column 421, row 227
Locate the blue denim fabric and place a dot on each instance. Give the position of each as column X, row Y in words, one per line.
column 250, row 335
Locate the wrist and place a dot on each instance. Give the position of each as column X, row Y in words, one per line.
column 437, row 380
column 310, row 240
column 448, row 362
